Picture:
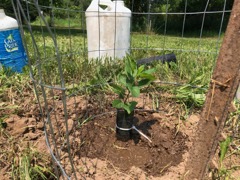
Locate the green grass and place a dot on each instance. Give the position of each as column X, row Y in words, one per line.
column 195, row 56
column 76, row 22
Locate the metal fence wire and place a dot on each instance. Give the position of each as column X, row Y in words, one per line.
column 73, row 90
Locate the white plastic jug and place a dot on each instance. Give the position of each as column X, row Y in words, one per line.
column 108, row 30
column 12, row 53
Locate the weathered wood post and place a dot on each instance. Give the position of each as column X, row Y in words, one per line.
column 224, row 83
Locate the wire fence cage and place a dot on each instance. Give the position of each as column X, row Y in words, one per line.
column 73, row 90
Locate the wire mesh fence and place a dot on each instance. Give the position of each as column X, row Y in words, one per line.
column 73, row 90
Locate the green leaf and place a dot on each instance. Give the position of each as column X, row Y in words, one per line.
column 133, row 65
column 198, row 98
column 122, row 79
column 135, row 91
column 135, row 73
column 129, row 107
column 150, row 71
column 118, row 90
column 224, row 145
column 144, row 82
column 147, row 76
column 132, row 106
column 117, row 103
column 128, row 69
column 130, row 81
column 140, row 69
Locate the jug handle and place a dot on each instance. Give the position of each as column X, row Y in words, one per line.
column 107, row 3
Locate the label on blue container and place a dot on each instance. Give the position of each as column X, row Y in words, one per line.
column 12, row 53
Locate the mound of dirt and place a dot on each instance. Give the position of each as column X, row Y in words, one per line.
column 154, row 158
column 97, row 152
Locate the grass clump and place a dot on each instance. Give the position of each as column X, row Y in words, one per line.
column 21, row 160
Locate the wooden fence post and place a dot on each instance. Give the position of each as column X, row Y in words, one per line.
column 224, row 83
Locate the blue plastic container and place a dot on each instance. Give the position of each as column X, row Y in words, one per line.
column 12, row 52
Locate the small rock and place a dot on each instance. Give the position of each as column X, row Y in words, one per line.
column 31, row 136
column 25, row 120
column 78, row 175
column 147, row 108
column 20, row 128
column 142, row 177
column 76, row 159
column 232, row 107
column 74, row 116
column 100, row 176
column 223, row 137
column 167, row 144
column 70, row 125
column 31, row 121
column 213, row 164
column 68, row 169
column 40, row 125
column 41, row 144
column 187, row 124
column 85, row 170
column 193, row 119
column 91, row 171
column 210, row 175
column 156, row 115
column 9, row 120
column 167, row 124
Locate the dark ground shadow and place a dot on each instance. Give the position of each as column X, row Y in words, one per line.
column 144, row 127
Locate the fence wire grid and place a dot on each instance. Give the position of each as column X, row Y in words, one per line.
column 69, row 86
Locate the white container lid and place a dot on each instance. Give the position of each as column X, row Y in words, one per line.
column 7, row 22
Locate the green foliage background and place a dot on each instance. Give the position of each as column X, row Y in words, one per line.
column 142, row 20
column 175, row 21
